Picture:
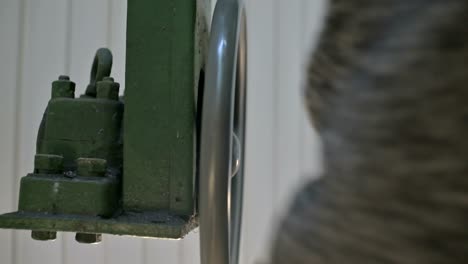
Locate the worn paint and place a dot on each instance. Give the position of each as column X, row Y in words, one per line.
column 77, row 185
column 159, row 96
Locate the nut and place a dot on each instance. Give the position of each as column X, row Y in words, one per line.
column 88, row 167
column 63, row 88
column 43, row 235
column 48, row 164
column 85, row 238
column 108, row 89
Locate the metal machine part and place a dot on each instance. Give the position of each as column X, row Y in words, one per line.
column 220, row 205
column 142, row 171
column 100, row 169
column 77, row 182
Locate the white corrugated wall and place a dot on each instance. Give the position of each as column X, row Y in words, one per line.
column 40, row 39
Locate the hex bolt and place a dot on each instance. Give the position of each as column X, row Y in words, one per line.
column 108, row 89
column 48, row 164
column 63, row 87
column 43, row 235
column 89, row 167
column 85, row 238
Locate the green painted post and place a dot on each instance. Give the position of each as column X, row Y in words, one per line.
column 160, row 107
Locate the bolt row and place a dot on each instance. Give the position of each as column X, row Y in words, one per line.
column 83, row 238
column 106, row 89
column 86, row 167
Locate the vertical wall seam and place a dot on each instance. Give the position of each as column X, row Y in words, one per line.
column 276, row 79
column 17, row 123
column 110, row 27
column 181, row 248
column 68, row 36
column 144, row 257
column 303, row 120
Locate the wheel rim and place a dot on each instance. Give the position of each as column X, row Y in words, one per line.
column 223, row 115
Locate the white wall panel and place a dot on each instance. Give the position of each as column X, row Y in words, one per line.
column 10, row 26
column 41, row 39
column 89, row 31
column 313, row 16
column 116, row 26
column 123, row 250
column 288, row 105
column 42, row 58
column 190, row 248
column 259, row 154
column 161, row 251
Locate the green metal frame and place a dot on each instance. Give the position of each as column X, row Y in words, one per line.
column 124, row 166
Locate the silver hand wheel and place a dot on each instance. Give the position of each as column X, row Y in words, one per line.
column 222, row 136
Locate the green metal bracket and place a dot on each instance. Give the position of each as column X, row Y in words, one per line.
column 105, row 164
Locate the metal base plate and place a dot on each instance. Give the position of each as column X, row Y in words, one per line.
column 152, row 225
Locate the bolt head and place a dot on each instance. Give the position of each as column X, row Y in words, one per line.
column 43, row 235
column 63, row 88
column 48, row 164
column 85, row 238
column 108, row 89
column 88, row 167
